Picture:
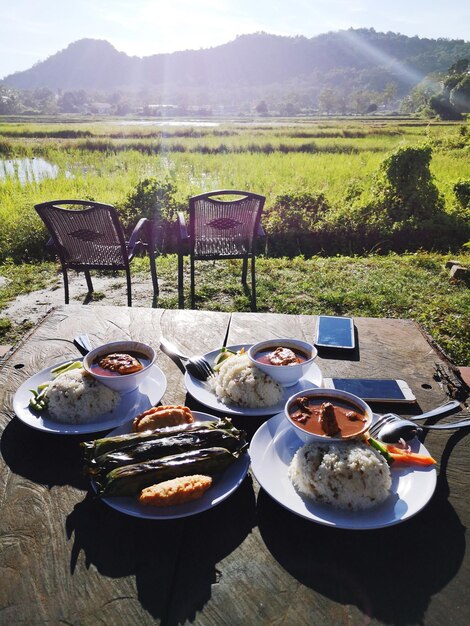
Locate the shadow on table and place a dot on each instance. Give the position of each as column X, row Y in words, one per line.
column 43, row 458
column 173, row 561
column 390, row 574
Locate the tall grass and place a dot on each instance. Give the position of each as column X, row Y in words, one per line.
column 104, row 161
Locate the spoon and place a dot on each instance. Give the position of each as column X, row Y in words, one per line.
column 398, row 429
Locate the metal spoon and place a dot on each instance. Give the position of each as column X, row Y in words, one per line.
column 398, row 429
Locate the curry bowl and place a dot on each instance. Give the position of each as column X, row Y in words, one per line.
column 285, row 360
column 327, row 415
column 122, row 375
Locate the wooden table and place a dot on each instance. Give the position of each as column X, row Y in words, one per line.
column 66, row 557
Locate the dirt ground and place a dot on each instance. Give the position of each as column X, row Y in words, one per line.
column 108, row 290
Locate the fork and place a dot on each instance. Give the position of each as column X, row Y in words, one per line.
column 197, row 366
column 389, row 417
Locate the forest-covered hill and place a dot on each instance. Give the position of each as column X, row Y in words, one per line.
column 259, row 63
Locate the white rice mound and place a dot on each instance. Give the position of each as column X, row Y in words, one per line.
column 75, row 397
column 240, row 382
column 346, row 475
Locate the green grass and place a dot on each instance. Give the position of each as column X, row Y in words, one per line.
column 413, row 286
column 108, row 162
column 105, row 161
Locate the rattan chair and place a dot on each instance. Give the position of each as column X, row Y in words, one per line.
column 88, row 236
column 222, row 225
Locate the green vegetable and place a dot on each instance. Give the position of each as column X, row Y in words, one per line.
column 131, row 479
column 66, row 367
column 39, row 401
column 223, row 355
column 381, row 448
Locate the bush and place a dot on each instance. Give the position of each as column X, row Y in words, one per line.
column 155, row 200
column 404, row 190
column 462, row 193
column 294, row 216
column 406, row 213
column 152, row 199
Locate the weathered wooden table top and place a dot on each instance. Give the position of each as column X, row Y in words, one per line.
column 66, row 557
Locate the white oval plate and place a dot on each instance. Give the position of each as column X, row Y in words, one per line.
column 271, row 451
column 145, row 396
column 201, row 392
column 224, row 485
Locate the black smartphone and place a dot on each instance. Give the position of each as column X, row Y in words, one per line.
column 335, row 332
column 373, row 389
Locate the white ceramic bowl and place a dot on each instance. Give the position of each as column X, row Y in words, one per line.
column 334, row 396
column 126, row 382
column 285, row 375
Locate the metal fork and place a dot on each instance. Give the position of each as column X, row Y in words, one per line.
column 452, row 405
column 397, row 429
column 197, row 366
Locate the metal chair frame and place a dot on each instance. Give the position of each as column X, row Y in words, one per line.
column 93, row 238
column 220, row 229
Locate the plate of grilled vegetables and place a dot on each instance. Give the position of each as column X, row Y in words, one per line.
column 169, row 462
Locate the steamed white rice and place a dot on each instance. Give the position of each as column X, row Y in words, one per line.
column 347, row 475
column 239, row 382
column 75, row 397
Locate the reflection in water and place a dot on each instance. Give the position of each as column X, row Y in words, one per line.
column 28, row 170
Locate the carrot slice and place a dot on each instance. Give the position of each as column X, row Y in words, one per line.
column 413, row 458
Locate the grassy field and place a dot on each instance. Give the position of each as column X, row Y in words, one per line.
column 105, row 160
column 414, row 286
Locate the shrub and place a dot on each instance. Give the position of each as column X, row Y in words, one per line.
column 462, row 193
column 295, row 216
column 155, row 200
column 295, row 212
column 404, row 189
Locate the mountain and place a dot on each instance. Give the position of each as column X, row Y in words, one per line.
column 362, row 57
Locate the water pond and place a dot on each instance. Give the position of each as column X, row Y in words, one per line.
column 28, row 170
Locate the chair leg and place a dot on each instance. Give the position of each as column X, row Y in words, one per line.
column 153, row 273
column 192, row 282
column 180, row 282
column 129, row 292
column 244, row 269
column 253, row 284
column 66, row 284
column 88, row 281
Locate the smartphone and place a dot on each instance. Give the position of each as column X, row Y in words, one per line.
column 335, row 332
column 373, row 389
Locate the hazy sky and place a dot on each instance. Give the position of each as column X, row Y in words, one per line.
column 32, row 30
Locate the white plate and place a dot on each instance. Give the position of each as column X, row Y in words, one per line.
column 224, row 485
column 271, row 451
column 201, row 392
column 146, row 395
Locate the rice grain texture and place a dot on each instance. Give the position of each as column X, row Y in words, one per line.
column 75, row 397
column 239, row 382
column 347, row 475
